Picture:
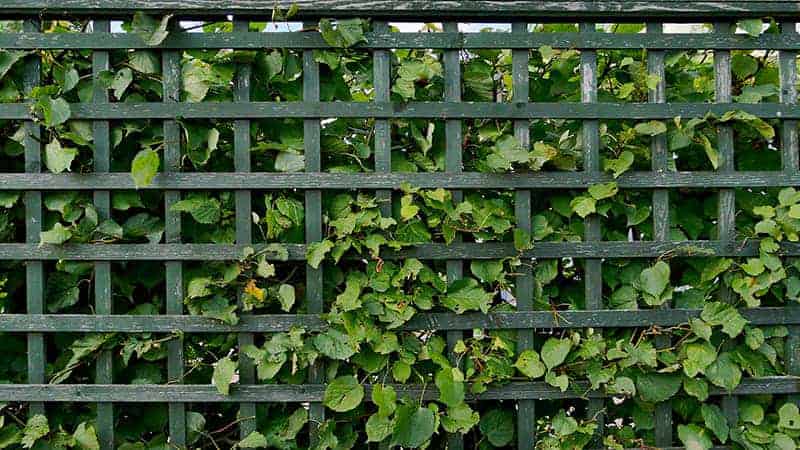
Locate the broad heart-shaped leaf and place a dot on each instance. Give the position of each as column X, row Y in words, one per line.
column 465, row 295
column 343, row 393
column 724, row 372
column 657, row 387
column 718, row 313
column 694, row 437
column 345, row 33
column 54, row 111
column 715, row 421
column 224, row 371
column 56, row 235
column 7, row 60
column 529, row 364
column 153, row 31
column 85, row 437
column 789, row 417
column 35, row 429
column 620, row 165
column 651, row 128
column 414, row 426
column 205, row 210
column 145, row 167
column 753, row 27
column 316, row 251
column 289, row 162
column 699, row 355
column 58, row 158
column 555, row 351
column 654, row 280
column 253, row 440
column 379, row 427
column 498, row 427
column 334, row 344
column 603, row 190
column 286, row 295
column 450, row 382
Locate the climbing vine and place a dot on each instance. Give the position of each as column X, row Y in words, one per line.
column 369, row 299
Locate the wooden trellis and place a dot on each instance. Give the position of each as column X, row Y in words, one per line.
column 173, row 253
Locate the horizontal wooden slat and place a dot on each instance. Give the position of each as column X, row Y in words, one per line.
column 449, row 40
column 346, row 181
column 275, row 323
column 288, row 393
column 436, row 251
column 480, row 10
column 385, row 110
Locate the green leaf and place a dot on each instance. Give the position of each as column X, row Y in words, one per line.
column 450, row 382
column 57, row 158
column 286, row 296
column 555, row 351
column 657, row 387
column 85, row 437
column 343, row 393
column 583, row 205
column 316, row 252
column 224, row 370
column 152, row 31
column 529, row 364
column 789, row 417
column 122, row 79
column 54, row 111
column 559, row 381
column 145, row 167
column 497, row 426
column 253, row 440
column 653, row 282
column 56, row 235
column 699, row 355
column 724, row 372
column 715, row 421
column 718, row 313
column 290, row 162
column 7, row 60
column 753, row 27
column 620, row 165
column 414, row 426
column 603, row 190
column 694, row 437
column 35, row 429
column 651, row 128
column 334, row 344
column 465, row 295
column 205, row 210
column 342, row 34
column 379, row 427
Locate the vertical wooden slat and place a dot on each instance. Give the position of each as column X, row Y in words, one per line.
column 590, row 134
column 381, row 75
column 313, row 198
column 244, row 227
column 381, row 70
column 787, row 61
column 526, row 409
column 660, row 163
column 726, row 225
column 171, row 63
column 102, row 269
column 453, row 164
column 34, row 270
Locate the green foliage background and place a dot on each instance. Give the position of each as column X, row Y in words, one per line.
column 368, row 298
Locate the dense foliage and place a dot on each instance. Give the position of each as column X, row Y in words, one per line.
column 367, row 298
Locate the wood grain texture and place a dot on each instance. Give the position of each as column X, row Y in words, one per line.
column 543, row 181
column 274, row 323
column 435, row 251
column 416, row 9
column 450, row 39
column 383, row 110
column 294, row 393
